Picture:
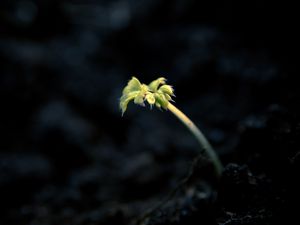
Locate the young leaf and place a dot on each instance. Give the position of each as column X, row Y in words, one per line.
column 132, row 85
column 139, row 99
column 150, row 98
column 153, row 86
column 125, row 99
column 156, row 93
column 167, row 89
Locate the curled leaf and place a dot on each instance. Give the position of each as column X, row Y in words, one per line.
column 167, row 89
column 132, row 85
column 153, row 86
column 125, row 99
column 139, row 99
column 150, row 98
column 161, row 100
column 157, row 93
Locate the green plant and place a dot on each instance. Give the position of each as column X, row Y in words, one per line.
column 160, row 94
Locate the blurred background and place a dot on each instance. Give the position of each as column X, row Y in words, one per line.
column 66, row 154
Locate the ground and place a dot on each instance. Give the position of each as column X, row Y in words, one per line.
column 67, row 156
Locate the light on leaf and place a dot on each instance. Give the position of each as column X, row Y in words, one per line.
column 156, row 93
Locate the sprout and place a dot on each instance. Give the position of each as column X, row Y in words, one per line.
column 160, row 94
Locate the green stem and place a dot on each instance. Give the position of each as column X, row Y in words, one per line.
column 199, row 136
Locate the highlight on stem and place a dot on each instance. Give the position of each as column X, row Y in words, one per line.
column 160, row 94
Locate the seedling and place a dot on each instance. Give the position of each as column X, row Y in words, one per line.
column 159, row 94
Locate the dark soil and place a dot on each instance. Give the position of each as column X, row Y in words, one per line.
column 68, row 157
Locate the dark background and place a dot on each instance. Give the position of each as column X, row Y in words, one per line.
column 68, row 157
